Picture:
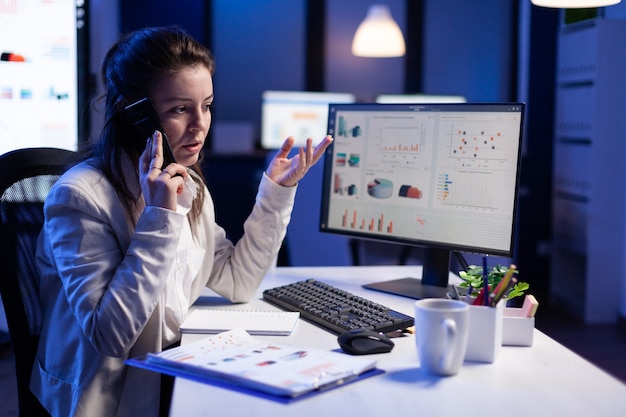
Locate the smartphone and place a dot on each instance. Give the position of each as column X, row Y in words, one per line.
column 142, row 117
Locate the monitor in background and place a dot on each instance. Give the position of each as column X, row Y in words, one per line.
column 440, row 176
column 301, row 114
column 40, row 73
column 418, row 98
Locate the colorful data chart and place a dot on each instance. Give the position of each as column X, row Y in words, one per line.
column 340, row 188
column 354, row 221
column 355, row 160
column 409, row 191
column 473, row 142
column 472, row 189
column 340, row 159
column 346, row 131
column 380, row 188
column 401, row 138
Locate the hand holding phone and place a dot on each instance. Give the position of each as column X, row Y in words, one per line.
column 143, row 119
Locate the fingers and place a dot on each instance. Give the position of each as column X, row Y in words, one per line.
column 284, row 150
column 151, row 160
column 313, row 154
column 144, row 158
column 154, row 151
column 160, row 184
column 152, row 155
column 175, row 170
column 288, row 171
column 306, row 154
column 309, row 155
column 321, row 147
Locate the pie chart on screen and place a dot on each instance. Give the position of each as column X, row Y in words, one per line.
column 380, row 188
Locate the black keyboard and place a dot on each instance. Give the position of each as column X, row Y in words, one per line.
column 334, row 309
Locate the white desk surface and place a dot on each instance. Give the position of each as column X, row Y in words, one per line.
column 546, row 379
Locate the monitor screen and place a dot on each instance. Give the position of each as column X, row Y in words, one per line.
column 441, row 176
column 301, row 114
column 39, row 73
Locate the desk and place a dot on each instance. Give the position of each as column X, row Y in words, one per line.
column 546, row 379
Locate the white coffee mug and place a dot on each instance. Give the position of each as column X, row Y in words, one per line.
column 441, row 329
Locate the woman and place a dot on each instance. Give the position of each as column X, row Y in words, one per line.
column 128, row 243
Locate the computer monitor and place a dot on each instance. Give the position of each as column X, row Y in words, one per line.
column 419, row 98
column 440, row 176
column 44, row 71
column 301, row 114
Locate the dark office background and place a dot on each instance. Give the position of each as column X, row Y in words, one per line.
column 453, row 47
column 487, row 51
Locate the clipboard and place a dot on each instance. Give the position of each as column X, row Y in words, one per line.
column 238, row 361
column 225, row 384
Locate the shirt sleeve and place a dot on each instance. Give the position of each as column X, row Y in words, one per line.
column 237, row 270
column 112, row 275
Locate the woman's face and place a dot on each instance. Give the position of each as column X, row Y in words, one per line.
column 183, row 103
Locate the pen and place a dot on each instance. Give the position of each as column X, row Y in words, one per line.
column 480, row 298
column 500, row 289
column 504, row 291
column 455, row 291
column 485, row 282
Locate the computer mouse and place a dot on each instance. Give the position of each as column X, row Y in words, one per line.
column 364, row 342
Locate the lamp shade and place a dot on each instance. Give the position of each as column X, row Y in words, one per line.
column 574, row 4
column 378, row 36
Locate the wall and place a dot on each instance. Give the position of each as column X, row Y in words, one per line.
column 189, row 14
column 619, row 12
column 364, row 77
column 270, row 54
column 258, row 45
column 468, row 51
column 104, row 31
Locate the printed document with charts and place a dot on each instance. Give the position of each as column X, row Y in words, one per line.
column 239, row 359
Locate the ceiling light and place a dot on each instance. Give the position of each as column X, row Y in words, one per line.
column 378, row 36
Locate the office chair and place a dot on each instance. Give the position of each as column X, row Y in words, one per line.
column 26, row 176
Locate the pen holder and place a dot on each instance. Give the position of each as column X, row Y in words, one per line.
column 485, row 333
column 516, row 329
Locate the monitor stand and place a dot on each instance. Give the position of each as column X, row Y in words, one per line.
column 434, row 282
column 408, row 287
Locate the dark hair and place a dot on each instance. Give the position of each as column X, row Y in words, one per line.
column 130, row 70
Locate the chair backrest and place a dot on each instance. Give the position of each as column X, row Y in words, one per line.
column 26, row 176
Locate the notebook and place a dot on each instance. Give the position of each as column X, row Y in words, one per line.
column 255, row 322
